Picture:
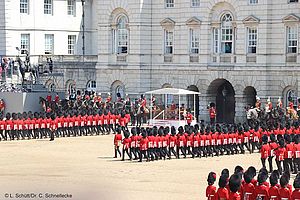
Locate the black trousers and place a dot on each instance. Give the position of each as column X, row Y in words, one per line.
column 270, row 161
column 143, row 154
column 288, row 164
column 279, row 166
column 126, row 151
column 117, row 150
column 172, row 151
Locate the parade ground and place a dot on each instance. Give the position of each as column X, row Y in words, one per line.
column 84, row 168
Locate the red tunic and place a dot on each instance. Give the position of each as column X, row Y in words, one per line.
column 248, row 191
column 212, row 113
column 273, row 146
column 234, row 196
column 274, row 193
column 210, row 192
column 172, row 141
column 100, row 120
column 112, row 119
column 296, row 194
column 261, row 191
column 144, row 144
column 280, row 154
column 126, row 143
column 285, row 193
column 222, row 193
column 297, row 150
column 105, row 119
column 2, row 125
column 264, row 151
column 196, row 140
column 150, row 141
column 189, row 118
column 118, row 140
column 246, row 137
column 181, row 141
column 289, row 151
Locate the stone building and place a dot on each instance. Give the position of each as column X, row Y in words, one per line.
column 228, row 50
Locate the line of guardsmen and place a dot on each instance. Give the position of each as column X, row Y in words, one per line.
column 41, row 125
column 197, row 141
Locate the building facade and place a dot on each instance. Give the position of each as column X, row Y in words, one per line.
column 228, row 50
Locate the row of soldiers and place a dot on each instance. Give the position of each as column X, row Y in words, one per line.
column 38, row 125
column 197, row 141
column 250, row 185
column 285, row 149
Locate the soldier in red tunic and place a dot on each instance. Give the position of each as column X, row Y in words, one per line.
column 296, row 159
column 143, row 146
column 279, row 152
column 264, row 151
column 126, row 146
column 180, row 143
column 117, row 142
column 234, row 186
column 172, row 142
column 296, row 192
column 212, row 113
column 211, row 189
column 289, row 154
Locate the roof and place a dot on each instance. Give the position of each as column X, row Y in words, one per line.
column 174, row 91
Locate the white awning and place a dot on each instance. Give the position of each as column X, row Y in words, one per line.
column 173, row 91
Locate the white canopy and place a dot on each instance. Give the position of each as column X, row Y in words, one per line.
column 173, row 91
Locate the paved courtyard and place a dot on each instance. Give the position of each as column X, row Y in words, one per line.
column 84, row 168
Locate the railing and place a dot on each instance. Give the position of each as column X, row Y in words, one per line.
column 162, row 112
column 68, row 58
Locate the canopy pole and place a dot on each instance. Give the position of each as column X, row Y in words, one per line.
column 195, row 107
column 166, row 98
column 179, row 109
column 151, row 105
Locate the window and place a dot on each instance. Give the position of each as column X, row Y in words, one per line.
column 292, row 95
column 227, row 34
column 168, row 42
column 292, row 39
column 49, row 43
column 252, row 40
column 25, row 43
column 119, row 91
column 194, row 41
column 48, row 7
column 71, row 44
column 71, row 7
column 169, row 3
column 252, row 2
column 293, row 1
column 122, row 35
column 91, row 86
column 51, row 87
column 216, row 40
column 195, row 3
column 24, row 6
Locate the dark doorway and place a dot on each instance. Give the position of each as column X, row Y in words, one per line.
column 250, row 96
column 222, row 94
column 193, row 100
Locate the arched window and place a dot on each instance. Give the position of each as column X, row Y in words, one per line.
column 224, row 35
column 227, row 34
column 91, row 86
column 291, row 94
column 119, row 91
column 71, row 87
column 120, row 35
column 51, row 87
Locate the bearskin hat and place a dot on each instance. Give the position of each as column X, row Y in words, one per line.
column 211, row 178
column 223, row 181
column 234, row 183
